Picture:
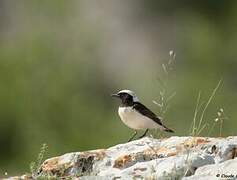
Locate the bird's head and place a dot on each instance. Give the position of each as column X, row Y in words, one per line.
column 128, row 97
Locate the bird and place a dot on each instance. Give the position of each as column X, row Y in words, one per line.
column 136, row 115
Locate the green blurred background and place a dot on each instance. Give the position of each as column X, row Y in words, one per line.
column 61, row 60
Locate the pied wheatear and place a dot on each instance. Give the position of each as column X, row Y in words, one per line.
column 137, row 116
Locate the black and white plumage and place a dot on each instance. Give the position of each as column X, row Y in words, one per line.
column 137, row 116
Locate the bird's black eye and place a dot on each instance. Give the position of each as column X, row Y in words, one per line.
column 123, row 95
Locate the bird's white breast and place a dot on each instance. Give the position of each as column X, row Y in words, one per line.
column 135, row 120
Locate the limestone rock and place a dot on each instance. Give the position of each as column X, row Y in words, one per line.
column 169, row 158
column 225, row 170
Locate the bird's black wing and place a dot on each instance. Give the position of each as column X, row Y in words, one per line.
column 146, row 112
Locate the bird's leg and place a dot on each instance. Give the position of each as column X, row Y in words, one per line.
column 131, row 138
column 161, row 135
column 144, row 133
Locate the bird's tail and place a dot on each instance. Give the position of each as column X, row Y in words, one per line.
column 164, row 128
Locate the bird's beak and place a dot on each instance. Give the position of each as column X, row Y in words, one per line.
column 115, row 95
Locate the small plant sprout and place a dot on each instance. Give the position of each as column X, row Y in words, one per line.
column 35, row 166
column 219, row 119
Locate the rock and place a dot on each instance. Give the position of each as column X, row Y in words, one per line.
column 225, row 170
column 169, row 158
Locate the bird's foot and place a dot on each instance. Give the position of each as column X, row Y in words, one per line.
column 131, row 138
column 144, row 134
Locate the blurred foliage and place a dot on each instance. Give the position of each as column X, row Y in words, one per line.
column 56, row 73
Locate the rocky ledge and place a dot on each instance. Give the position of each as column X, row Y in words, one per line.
column 169, row 158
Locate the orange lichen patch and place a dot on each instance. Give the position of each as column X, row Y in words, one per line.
column 50, row 164
column 61, row 164
column 123, row 161
column 160, row 152
column 54, row 166
column 98, row 154
column 195, row 141
column 146, row 155
column 53, row 163
column 202, row 141
column 166, row 151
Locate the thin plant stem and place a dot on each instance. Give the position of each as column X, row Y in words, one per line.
column 221, row 123
column 202, row 128
column 170, row 97
column 211, row 129
column 207, row 104
column 195, row 113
